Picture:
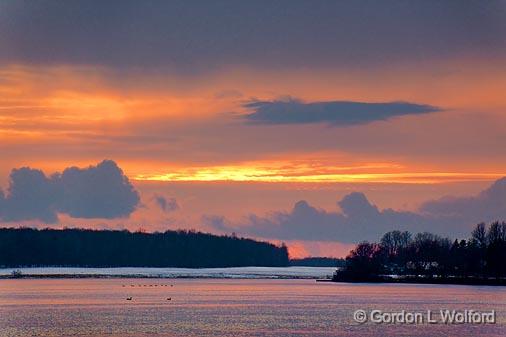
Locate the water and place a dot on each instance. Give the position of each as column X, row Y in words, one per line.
column 231, row 307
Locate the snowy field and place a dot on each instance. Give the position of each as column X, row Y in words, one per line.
column 237, row 272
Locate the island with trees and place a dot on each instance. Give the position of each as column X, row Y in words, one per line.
column 28, row 247
column 317, row 262
column 429, row 258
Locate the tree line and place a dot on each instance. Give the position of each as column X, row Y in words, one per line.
column 317, row 262
column 423, row 255
column 28, row 247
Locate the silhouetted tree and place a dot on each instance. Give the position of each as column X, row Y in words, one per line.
column 363, row 263
column 496, row 250
column 479, row 235
column 395, row 241
column 430, row 255
column 318, row 262
column 103, row 248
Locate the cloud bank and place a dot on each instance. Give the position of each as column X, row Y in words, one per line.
column 489, row 205
column 189, row 35
column 360, row 220
column 101, row 191
column 338, row 113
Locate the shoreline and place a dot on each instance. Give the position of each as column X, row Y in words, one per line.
column 428, row 280
column 169, row 277
column 169, row 273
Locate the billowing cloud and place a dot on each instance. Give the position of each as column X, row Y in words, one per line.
column 489, row 205
column 361, row 220
column 31, row 195
column 166, row 204
column 101, row 191
column 338, row 113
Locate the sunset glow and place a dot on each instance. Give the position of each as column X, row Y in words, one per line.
column 252, row 168
column 310, row 175
column 229, row 132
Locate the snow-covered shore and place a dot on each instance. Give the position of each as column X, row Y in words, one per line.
column 236, row 272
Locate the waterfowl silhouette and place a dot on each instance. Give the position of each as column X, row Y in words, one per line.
column 129, row 298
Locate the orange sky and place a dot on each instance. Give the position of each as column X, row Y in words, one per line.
column 170, row 108
column 162, row 133
column 86, row 110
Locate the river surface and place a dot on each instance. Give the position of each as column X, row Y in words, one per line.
column 234, row 307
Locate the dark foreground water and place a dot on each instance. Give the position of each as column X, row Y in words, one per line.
column 205, row 307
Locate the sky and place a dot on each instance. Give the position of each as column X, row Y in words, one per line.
column 315, row 123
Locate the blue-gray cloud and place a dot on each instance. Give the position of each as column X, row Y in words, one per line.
column 101, row 191
column 202, row 35
column 166, row 204
column 31, row 195
column 338, row 113
column 489, row 205
column 360, row 220
column 217, row 222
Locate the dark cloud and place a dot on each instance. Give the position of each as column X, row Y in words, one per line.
column 339, row 113
column 166, row 204
column 101, row 191
column 360, row 220
column 203, row 35
column 31, row 195
column 489, row 205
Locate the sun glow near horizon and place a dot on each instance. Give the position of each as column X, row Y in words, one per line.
column 305, row 173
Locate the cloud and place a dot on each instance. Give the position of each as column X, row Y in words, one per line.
column 337, row 113
column 217, row 222
column 101, row 191
column 200, row 35
column 360, row 220
column 489, row 205
column 31, row 196
column 166, row 204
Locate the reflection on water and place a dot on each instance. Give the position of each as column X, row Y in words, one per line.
column 202, row 307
